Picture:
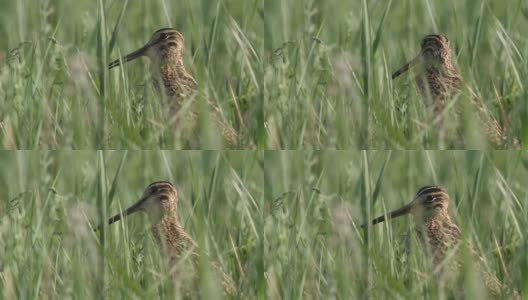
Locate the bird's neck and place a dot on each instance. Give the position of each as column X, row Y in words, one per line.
column 439, row 233
column 169, row 224
column 172, row 78
column 165, row 68
column 437, row 83
column 445, row 72
column 169, row 235
column 437, row 220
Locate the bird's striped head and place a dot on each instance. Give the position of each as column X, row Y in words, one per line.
column 159, row 199
column 165, row 45
column 164, row 193
column 430, row 201
column 166, row 42
column 435, row 49
column 435, row 52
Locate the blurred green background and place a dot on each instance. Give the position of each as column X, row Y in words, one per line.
column 49, row 204
column 329, row 65
column 53, row 93
column 317, row 200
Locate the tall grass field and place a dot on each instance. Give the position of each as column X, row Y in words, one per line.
column 316, row 202
column 56, row 91
column 328, row 77
column 311, row 78
column 50, row 202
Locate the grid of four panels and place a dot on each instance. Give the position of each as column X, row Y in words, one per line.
column 263, row 149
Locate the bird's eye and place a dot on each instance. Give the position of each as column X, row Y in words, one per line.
column 154, row 189
column 430, row 198
column 163, row 36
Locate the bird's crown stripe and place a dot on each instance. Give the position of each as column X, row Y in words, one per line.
column 429, row 190
column 168, row 30
column 161, row 183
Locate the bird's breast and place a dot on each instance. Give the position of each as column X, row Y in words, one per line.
column 436, row 87
column 438, row 237
column 170, row 237
column 174, row 84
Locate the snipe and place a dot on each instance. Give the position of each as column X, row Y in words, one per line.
column 438, row 234
column 171, row 79
column 438, row 80
column 159, row 202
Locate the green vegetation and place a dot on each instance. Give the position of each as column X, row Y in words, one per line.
column 316, row 202
column 49, row 203
column 56, row 91
column 329, row 65
column 309, row 74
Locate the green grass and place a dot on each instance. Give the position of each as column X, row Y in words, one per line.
column 309, row 74
column 49, row 200
column 327, row 77
column 287, row 75
column 55, row 91
column 316, row 202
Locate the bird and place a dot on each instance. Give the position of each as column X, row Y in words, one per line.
column 171, row 79
column 438, row 235
column 159, row 202
column 438, row 80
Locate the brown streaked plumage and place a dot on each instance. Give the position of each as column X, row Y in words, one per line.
column 438, row 234
column 430, row 206
column 170, row 78
column 159, row 202
column 438, row 80
column 165, row 51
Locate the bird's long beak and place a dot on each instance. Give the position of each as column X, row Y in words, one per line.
column 407, row 66
column 132, row 209
column 394, row 214
column 131, row 56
